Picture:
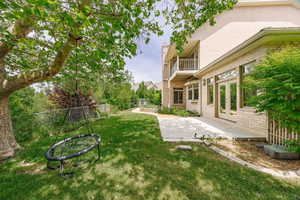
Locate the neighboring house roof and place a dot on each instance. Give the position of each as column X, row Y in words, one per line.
column 262, row 37
column 159, row 85
column 148, row 84
column 155, row 86
column 135, row 86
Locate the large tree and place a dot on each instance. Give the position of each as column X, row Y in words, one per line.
column 37, row 39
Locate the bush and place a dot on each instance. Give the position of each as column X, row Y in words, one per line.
column 150, row 106
column 178, row 112
column 22, row 114
column 277, row 80
column 294, row 145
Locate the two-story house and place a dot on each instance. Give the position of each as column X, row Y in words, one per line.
column 207, row 77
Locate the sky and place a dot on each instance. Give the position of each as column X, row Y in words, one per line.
column 146, row 66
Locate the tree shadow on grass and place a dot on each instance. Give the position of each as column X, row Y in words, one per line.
column 136, row 164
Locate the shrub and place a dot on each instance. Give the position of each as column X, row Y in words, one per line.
column 178, row 112
column 22, row 114
column 277, row 79
column 294, row 145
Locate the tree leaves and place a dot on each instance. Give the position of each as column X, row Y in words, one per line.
column 278, row 75
column 110, row 30
column 187, row 16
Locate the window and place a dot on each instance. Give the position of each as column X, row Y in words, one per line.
column 178, row 95
column 247, row 92
column 196, row 91
column 193, row 92
column 210, row 91
column 248, row 68
column 222, row 98
column 227, row 75
column 233, row 96
column 190, row 93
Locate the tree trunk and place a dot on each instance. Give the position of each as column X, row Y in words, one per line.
column 8, row 143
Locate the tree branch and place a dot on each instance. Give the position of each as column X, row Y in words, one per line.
column 27, row 78
column 21, row 28
column 106, row 14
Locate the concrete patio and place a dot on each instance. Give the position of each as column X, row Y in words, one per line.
column 174, row 128
column 184, row 129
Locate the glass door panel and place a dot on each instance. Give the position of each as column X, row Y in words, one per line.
column 227, row 101
column 233, row 96
column 223, row 98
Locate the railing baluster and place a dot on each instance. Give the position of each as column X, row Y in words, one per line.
column 184, row 64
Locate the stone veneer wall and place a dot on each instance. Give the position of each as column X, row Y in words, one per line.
column 165, row 94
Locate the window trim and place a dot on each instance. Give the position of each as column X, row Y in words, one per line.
column 195, row 87
column 243, row 65
column 242, row 92
column 191, row 88
column 210, row 82
column 235, row 75
column 177, row 90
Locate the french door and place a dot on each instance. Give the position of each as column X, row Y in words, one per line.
column 227, row 100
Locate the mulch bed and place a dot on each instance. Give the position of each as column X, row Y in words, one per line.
column 248, row 151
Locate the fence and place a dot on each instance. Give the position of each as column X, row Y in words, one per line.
column 277, row 134
column 71, row 118
column 56, row 121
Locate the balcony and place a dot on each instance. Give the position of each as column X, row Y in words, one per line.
column 184, row 66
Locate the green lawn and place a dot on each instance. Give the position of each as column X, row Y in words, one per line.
column 136, row 164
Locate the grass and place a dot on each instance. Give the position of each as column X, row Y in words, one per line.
column 150, row 106
column 136, row 164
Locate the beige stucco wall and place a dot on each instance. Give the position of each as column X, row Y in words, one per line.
column 245, row 117
column 235, row 26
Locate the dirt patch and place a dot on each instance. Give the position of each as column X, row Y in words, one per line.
column 249, row 152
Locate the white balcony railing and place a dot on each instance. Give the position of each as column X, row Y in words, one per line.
column 184, row 64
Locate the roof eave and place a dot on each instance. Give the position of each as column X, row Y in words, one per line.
column 257, row 40
column 187, row 47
